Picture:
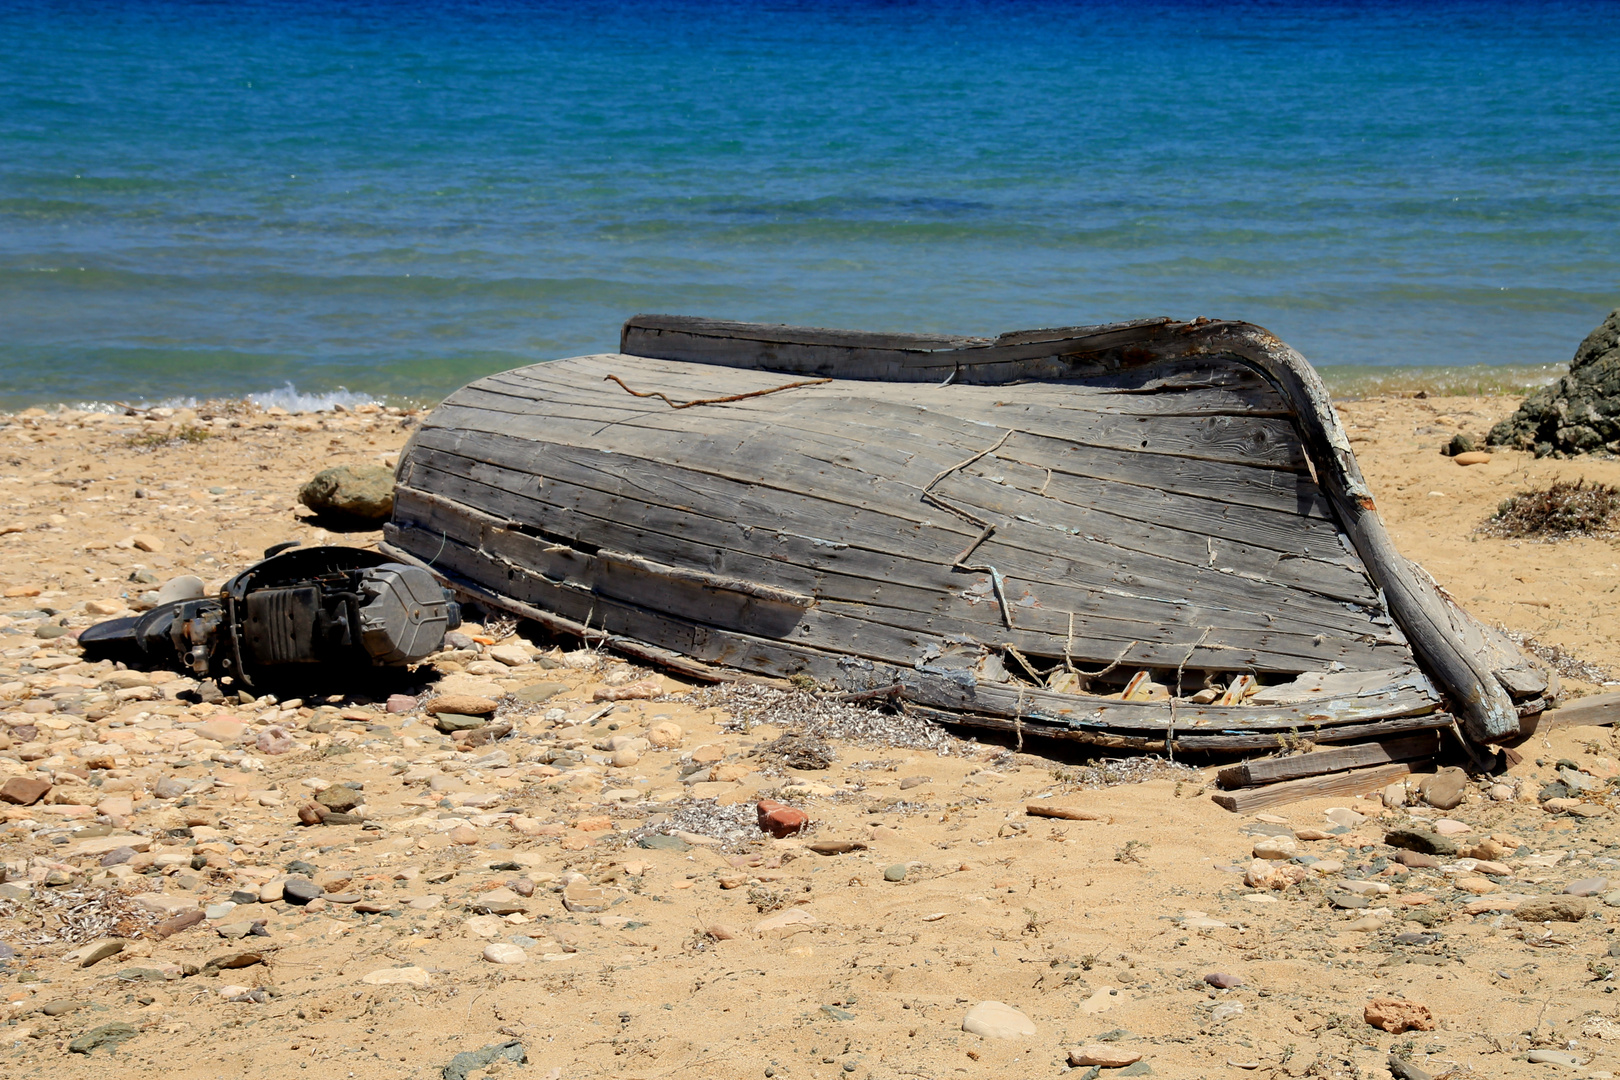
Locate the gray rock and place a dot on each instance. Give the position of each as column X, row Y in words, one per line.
column 897, row 872
column 1222, row 981
column 1576, row 780
column 219, row 911
column 118, row 855
column 107, row 1035
column 1578, row 414
column 170, row 788
column 535, row 693
column 340, row 797
column 98, row 952
column 1586, row 887
column 1555, row 1057
column 358, row 492
column 300, row 890
column 471, row 1061
column 184, row 587
column 1421, row 840
column 1460, row 444
column 663, row 842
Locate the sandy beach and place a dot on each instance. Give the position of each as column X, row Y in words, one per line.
column 556, row 888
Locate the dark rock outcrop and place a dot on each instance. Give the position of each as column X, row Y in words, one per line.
column 1578, row 414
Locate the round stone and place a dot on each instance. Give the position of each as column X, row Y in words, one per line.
column 501, row 952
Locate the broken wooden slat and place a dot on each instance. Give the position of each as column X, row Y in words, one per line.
column 1355, row 782
column 1136, row 741
column 1271, row 770
column 1063, row 813
column 1596, row 711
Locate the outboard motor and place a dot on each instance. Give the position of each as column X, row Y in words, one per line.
column 307, row 614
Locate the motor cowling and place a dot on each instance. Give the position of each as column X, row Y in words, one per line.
column 307, row 614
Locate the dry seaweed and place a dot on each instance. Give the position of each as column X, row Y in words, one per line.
column 796, row 750
column 1565, row 663
column 1109, row 772
column 73, row 916
column 734, row 824
column 808, row 716
column 1560, row 511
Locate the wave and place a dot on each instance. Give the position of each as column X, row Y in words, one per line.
column 287, row 397
column 1348, row 381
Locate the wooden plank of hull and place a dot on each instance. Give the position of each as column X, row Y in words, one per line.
column 1225, row 742
column 853, row 669
column 1167, row 634
column 1354, row 782
column 706, row 514
column 1299, row 766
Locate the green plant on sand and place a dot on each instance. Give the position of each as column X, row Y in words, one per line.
column 185, row 433
column 1556, row 512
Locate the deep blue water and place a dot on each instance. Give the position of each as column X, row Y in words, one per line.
column 218, row 198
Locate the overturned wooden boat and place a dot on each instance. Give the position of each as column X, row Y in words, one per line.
column 1147, row 535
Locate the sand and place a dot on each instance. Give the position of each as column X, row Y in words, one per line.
column 752, row 957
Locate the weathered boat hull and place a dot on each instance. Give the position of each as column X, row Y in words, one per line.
column 1003, row 532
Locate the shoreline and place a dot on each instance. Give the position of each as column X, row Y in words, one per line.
column 1345, row 382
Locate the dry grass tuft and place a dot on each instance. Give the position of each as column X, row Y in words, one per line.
column 1558, row 512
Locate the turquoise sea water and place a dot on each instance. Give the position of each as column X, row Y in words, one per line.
column 218, row 198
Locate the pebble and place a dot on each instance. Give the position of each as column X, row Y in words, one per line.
column 462, row 705
column 1106, row 1055
column 218, row 911
column 399, row 976
column 510, row 655
column 1397, row 1015
column 1222, row 981
column 94, row 954
column 501, row 952
column 1101, row 1000
column 184, row 587
column 118, row 856
column 665, row 735
column 275, row 741
column 300, row 890
column 24, row 790
column 897, row 872
column 1445, row 789
column 997, row 1020
column 1555, row 1057
column 1551, row 909
column 780, row 820
column 1280, row 848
